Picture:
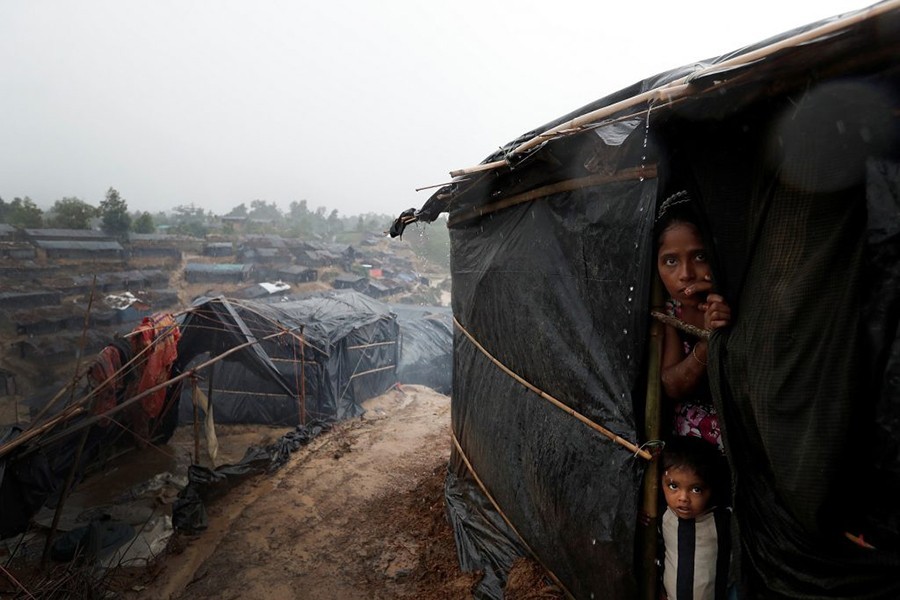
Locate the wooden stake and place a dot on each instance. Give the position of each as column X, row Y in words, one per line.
column 194, row 392
column 652, row 431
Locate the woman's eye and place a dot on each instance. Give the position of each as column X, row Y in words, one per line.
column 700, row 257
column 669, row 261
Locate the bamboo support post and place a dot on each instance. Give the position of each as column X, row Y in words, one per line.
column 36, row 431
column 652, row 431
column 302, row 379
column 92, row 420
column 194, row 401
column 71, row 386
column 67, row 487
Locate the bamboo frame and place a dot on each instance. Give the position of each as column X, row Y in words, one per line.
column 560, row 405
column 92, row 420
column 647, row 172
column 500, row 512
column 680, row 325
column 652, row 431
column 681, row 88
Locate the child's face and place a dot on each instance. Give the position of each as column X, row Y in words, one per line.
column 685, row 492
column 682, row 261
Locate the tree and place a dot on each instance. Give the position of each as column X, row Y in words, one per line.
column 23, row 212
column 144, row 223
column 260, row 209
column 238, row 211
column 114, row 212
column 72, row 213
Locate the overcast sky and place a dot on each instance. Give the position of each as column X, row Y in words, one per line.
column 347, row 104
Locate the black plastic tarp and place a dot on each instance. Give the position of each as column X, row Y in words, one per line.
column 348, row 355
column 794, row 158
column 426, row 346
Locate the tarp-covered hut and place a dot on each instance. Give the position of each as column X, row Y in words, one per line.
column 793, row 149
column 341, row 350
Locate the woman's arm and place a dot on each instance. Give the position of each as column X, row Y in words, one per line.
column 681, row 374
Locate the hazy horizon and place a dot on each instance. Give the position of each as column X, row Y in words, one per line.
column 350, row 106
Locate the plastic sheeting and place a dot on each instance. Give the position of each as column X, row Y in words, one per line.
column 426, row 346
column 794, row 159
column 349, row 355
column 189, row 511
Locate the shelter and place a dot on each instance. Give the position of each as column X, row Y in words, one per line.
column 793, row 148
column 339, row 350
column 216, row 273
column 81, row 249
column 426, row 346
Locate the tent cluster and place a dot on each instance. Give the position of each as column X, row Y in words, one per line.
column 792, row 147
column 304, row 362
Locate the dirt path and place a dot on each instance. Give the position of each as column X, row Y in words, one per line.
column 357, row 514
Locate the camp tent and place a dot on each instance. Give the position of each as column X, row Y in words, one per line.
column 792, row 147
column 341, row 350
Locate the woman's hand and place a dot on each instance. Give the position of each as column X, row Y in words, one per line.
column 716, row 312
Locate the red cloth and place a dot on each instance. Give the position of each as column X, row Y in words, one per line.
column 161, row 331
column 107, row 366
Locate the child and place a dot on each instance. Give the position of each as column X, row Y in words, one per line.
column 683, row 266
column 695, row 530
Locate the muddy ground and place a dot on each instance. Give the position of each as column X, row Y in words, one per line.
column 358, row 513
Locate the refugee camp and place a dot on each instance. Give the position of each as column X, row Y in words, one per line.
column 648, row 349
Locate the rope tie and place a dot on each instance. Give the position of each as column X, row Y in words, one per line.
column 560, row 405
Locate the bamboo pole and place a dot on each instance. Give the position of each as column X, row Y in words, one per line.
column 77, row 376
column 681, row 87
column 652, row 431
column 67, row 487
column 567, row 409
column 66, row 414
column 92, row 420
column 503, row 516
column 194, row 400
column 302, row 380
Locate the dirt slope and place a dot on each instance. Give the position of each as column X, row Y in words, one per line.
column 357, row 514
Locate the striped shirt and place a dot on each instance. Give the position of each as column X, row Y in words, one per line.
column 697, row 555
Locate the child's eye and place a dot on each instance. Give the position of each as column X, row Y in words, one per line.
column 697, row 489
column 672, row 486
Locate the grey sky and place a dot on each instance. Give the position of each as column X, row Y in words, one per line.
column 349, row 105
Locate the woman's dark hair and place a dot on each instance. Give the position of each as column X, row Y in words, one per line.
column 701, row 457
column 677, row 208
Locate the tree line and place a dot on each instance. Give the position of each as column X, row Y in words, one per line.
column 257, row 217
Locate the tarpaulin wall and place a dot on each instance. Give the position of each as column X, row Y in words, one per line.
column 802, row 198
column 349, row 355
column 555, row 290
column 426, row 346
column 793, row 155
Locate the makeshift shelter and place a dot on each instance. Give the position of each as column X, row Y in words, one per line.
column 426, row 346
column 340, row 349
column 793, row 149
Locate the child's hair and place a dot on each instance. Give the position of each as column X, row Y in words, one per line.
column 701, row 457
column 677, row 208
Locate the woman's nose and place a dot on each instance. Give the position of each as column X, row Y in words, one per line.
column 687, row 272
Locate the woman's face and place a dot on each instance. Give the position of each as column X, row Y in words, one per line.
column 682, row 261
